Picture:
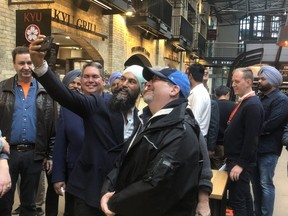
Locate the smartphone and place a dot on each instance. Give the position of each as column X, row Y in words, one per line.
column 46, row 44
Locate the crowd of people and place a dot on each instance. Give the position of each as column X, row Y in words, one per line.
column 109, row 154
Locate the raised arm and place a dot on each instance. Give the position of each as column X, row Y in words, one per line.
column 74, row 101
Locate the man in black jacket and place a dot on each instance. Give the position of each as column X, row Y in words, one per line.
column 27, row 119
column 241, row 141
column 158, row 173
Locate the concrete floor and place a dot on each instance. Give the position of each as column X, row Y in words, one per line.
column 281, row 185
column 280, row 180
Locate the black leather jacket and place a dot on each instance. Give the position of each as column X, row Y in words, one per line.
column 46, row 114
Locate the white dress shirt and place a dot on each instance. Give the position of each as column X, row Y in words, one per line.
column 200, row 103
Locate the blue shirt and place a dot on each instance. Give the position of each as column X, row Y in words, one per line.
column 275, row 106
column 24, row 115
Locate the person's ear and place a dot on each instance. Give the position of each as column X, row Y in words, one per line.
column 175, row 91
column 227, row 96
column 249, row 82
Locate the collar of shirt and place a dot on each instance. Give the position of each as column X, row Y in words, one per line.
column 270, row 94
column 128, row 123
column 241, row 98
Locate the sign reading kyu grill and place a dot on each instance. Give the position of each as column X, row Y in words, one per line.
column 31, row 23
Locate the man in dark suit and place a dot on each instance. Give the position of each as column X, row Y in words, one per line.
column 70, row 130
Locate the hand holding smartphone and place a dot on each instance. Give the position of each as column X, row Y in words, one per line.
column 46, row 44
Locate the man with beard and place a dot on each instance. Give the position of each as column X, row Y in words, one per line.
column 275, row 105
column 113, row 80
column 106, row 123
column 158, row 173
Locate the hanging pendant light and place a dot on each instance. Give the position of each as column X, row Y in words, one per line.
column 283, row 35
column 130, row 9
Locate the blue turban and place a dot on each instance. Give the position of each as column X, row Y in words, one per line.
column 113, row 77
column 70, row 76
column 272, row 75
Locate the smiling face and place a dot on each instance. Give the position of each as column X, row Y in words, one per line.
column 241, row 85
column 75, row 84
column 158, row 92
column 92, row 81
column 129, row 84
column 156, row 89
column 126, row 93
column 22, row 66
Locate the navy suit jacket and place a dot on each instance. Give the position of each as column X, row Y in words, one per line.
column 68, row 144
column 103, row 140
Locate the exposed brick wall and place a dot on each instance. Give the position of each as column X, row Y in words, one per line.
column 7, row 39
column 114, row 51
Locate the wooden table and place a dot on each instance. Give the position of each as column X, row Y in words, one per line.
column 218, row 197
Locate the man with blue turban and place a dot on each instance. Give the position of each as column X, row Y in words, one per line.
column 72, row 79
column 113, row 80
column 275, row 105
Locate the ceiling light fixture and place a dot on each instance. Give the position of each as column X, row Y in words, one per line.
column 283, row 35
column 130, row 9
column 99, row 3
column 150, row 32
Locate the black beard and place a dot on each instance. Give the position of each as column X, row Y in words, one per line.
column 265, row 88
column 122, row 103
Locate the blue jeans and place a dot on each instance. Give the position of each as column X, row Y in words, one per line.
column 263, row 186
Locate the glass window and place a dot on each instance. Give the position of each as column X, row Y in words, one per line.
column 257, row 27
column 244, row 28
column 275, row 25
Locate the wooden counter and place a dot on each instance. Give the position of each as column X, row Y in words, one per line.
column 218, row 197
column 219, row 181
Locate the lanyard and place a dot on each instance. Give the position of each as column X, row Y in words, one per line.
column 237, row 107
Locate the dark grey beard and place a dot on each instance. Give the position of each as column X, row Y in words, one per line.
column 122, row 103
